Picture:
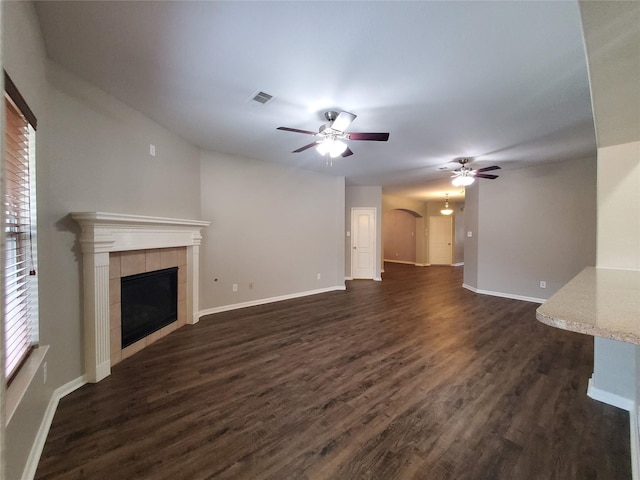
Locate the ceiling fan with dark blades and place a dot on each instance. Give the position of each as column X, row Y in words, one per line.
column 331, row 135
column 465, row 175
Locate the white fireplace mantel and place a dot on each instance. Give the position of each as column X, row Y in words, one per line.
column 103, row 233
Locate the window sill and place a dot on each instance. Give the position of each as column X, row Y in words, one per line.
column 23, row 379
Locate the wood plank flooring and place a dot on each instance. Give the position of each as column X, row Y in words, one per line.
column 409, row 378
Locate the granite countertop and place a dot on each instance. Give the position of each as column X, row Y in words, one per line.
column 602, row 302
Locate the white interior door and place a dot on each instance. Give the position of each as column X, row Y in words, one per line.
column 440, row 240
column 363, row 242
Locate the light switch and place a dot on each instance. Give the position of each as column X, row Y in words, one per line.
column 469, row 234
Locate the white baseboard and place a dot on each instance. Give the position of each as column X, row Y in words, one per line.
column 41, row 437
column 609, row 398
column 504, row 295
column 406, row 263
column 377, row 279
column 264, row 301
column 459, row 264
column 348, row 278
column 399, row 261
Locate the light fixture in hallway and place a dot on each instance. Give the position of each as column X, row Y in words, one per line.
column 446, row 210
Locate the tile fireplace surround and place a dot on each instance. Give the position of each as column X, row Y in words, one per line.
column 105, row 233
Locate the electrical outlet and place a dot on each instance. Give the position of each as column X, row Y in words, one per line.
column 469, row 234
column 543, row 284
column 318, row 276
column 44, row 372
column 235, row 287
column 152, row 150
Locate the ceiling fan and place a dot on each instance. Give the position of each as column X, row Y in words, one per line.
column 465, row 175
column 331, row 136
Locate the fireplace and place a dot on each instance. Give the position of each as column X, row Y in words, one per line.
column 149, row 301
column 117, row 245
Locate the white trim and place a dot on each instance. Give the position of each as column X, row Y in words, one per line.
column 406, row 263
column 31, row 466
column 399, row 261
column 459, row 264
column 609, row 398
column 15, row 392
column 377, row 279
column 115, row 232
column 264, row 301
column 512, row 296
column 348, row 278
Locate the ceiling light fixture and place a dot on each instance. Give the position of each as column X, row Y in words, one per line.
column 446, row 210
column 334, row 148
column 463, row 179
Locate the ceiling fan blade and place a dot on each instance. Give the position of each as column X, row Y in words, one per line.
column 488, row 169
column 342, row 121
column 347, row 152
column 378, row 137
column 287, row 129
column 306, row 147
column 484, row 175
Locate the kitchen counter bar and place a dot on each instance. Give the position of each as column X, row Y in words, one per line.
column 602, row 302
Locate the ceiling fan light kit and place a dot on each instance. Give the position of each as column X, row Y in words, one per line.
column 331, row 147
column 465, row 176
column 462, row 181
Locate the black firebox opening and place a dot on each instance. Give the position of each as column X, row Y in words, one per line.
column 149, row 302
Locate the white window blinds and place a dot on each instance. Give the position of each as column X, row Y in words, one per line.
column 19, row 262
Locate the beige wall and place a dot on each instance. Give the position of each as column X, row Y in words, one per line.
column 535, row 224
column 399, row 236
column 612, row 41
column 273, row 230
column 619, row 206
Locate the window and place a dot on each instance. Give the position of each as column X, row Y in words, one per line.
column 18, row 218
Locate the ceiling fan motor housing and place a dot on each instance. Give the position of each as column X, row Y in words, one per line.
column 331, row 115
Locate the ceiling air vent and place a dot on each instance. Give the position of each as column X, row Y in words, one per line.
column 261, row 97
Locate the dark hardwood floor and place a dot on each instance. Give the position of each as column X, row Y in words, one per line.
column 409, row 378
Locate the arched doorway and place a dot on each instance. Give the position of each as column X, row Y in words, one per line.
column 402, row 237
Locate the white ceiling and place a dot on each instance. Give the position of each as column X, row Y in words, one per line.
column 505, row 82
